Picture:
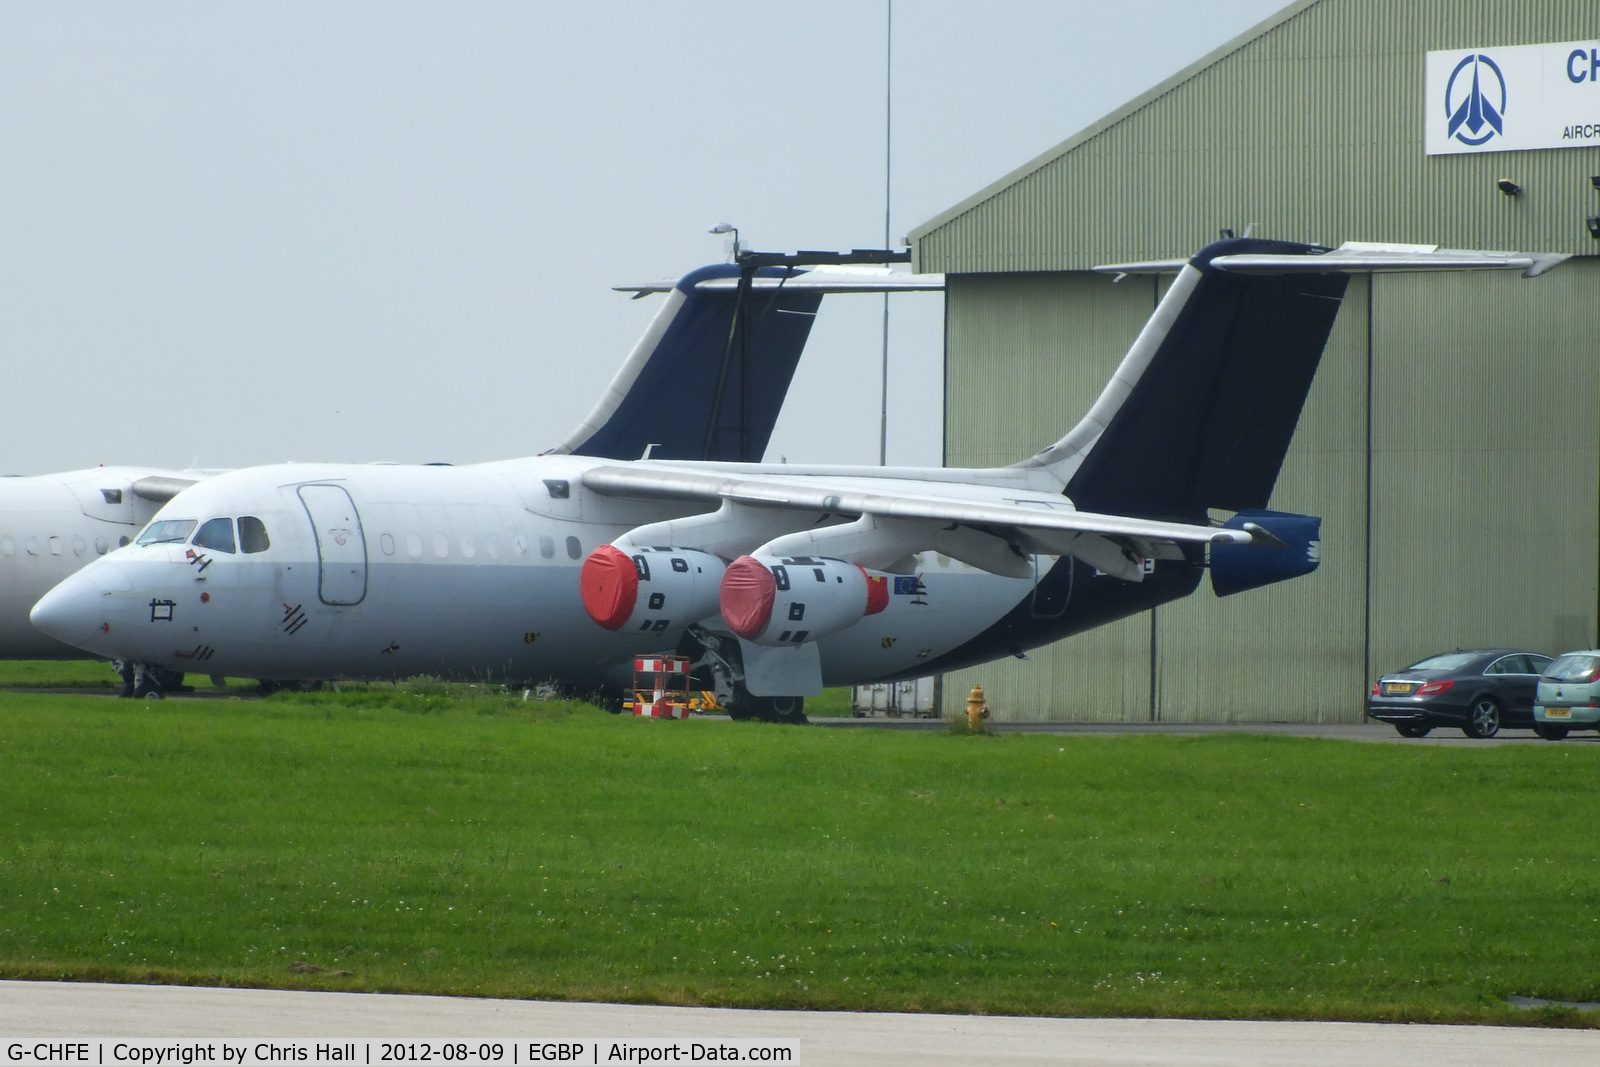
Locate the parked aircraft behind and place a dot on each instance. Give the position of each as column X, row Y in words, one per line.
column 53, row 524
column 682, row 393
column 775, row 579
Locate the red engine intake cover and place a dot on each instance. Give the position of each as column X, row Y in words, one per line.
column 609, row 584
column 748, row 588
column 877, row 592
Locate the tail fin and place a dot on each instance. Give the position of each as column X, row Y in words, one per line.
column 1201, row 410
column 707, row 379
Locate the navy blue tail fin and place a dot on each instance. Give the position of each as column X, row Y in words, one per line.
column 1201, row 413
column 709, row 376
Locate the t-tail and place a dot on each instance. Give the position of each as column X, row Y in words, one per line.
column 709, row 377
column 1201, row 411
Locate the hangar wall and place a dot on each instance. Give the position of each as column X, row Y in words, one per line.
column 1465, row 512
column 1486, row 461
column 1451, row 441
column 1308, row 126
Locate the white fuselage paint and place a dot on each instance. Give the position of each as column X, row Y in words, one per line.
column 50, row 526
column 470, row 572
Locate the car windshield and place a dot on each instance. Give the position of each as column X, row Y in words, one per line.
column 1449, row 661
column 164, row 531
column 1574, row 667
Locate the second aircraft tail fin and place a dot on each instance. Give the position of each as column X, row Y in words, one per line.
column 708, row 378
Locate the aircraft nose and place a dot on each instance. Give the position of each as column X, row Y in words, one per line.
column 75, row 611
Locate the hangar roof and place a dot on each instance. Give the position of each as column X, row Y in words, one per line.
column 1308, row 126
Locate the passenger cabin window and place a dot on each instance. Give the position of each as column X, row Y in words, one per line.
column 217, row 535
column 167, row 531
column 253, row 534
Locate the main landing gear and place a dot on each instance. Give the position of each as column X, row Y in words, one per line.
column 718, row 656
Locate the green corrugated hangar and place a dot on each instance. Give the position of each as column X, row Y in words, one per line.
column 1451, row 441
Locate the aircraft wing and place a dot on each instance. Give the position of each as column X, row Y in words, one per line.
column 994, row 528
column 160, row 488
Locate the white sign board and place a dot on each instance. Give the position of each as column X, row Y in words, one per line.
column 1515, row 98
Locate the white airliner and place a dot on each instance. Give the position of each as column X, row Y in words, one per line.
column 775, row 579
column 679, row 394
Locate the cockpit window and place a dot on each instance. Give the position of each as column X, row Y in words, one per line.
column 253, row 534
column 167, row 531
column 216, row 534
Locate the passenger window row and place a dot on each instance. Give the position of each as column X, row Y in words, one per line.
column 54, row 545
column 439, row 545
column 217, row 535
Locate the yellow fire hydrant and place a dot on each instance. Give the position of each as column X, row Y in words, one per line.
column 977, row 710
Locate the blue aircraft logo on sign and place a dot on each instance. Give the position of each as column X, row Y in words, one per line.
column 1475, row 100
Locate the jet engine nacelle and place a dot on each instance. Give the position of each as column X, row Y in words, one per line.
column 789, row 600
column 654, row 589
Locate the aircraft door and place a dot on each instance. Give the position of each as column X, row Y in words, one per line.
column 341, row 546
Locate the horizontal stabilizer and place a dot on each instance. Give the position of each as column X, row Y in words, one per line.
column 1356, row 257
column 816, row 280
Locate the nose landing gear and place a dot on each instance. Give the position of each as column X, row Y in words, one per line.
column 141, row 681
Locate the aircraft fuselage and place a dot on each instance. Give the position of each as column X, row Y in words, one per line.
column 382, row 572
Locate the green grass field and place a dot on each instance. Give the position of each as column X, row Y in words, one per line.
column 59, row 674
column 451, row 840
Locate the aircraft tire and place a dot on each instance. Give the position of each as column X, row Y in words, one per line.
column 784, row 709
column 149, row 691
column 171, row 681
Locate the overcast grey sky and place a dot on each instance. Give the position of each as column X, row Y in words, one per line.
column 244, row 233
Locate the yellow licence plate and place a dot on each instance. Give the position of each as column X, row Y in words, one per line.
column 1558, row 713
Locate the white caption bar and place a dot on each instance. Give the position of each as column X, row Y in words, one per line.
column 370, row 1053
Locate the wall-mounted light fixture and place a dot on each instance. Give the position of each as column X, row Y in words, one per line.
column 1509, row 187
column 1593, row 222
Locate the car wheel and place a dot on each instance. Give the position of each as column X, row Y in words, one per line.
column 1413, row 729
column 1483, row 719
column 1549, row 731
